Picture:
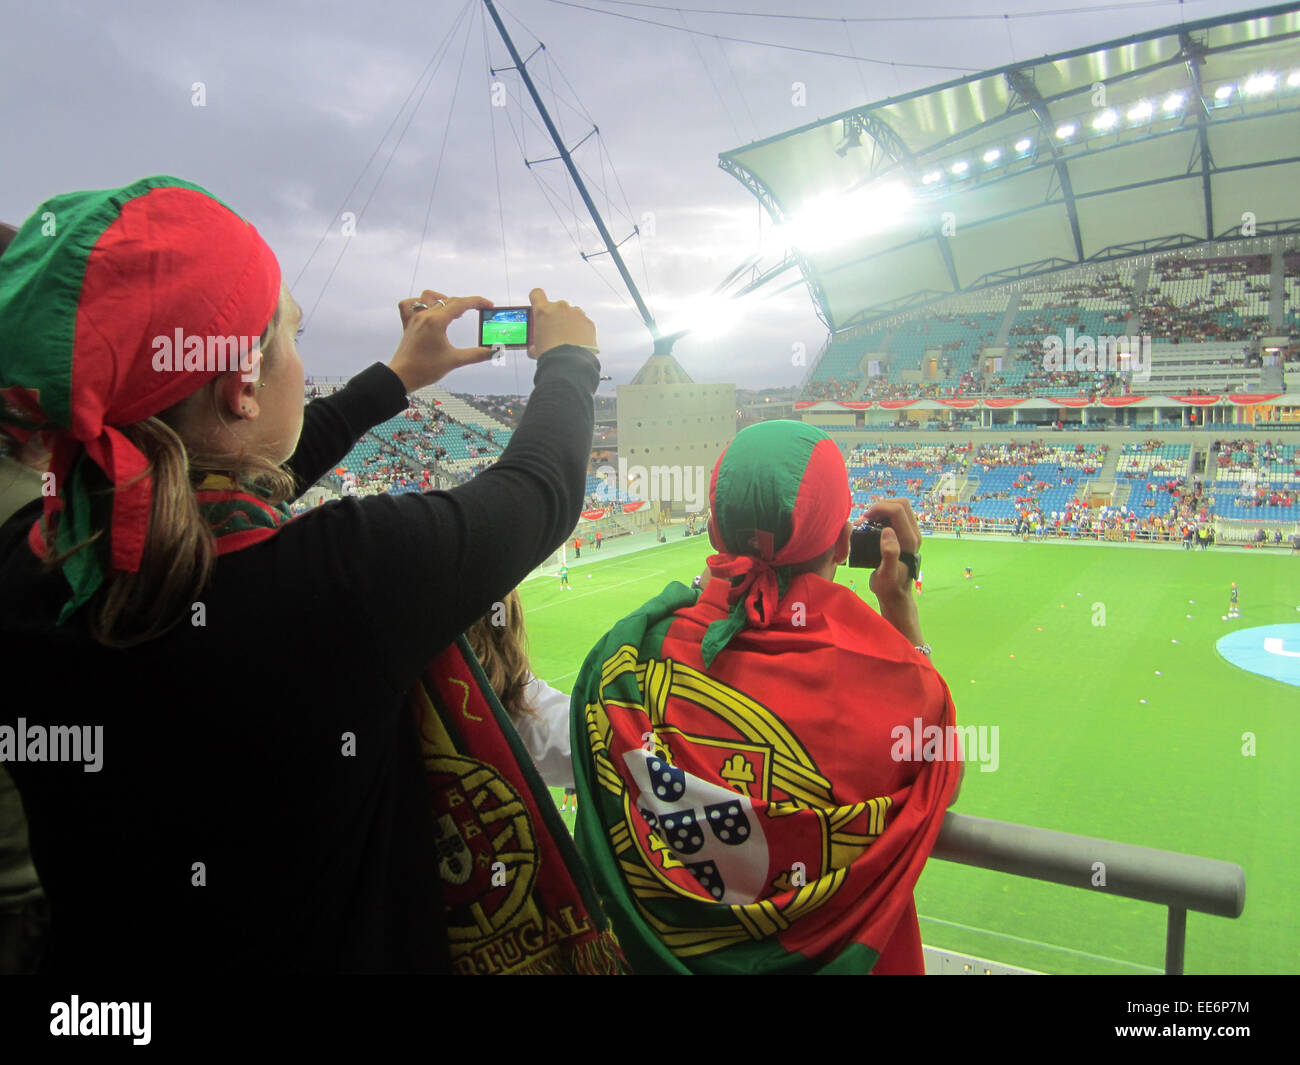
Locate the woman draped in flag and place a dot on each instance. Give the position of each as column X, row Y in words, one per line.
column 748, row 803
column 261, row 803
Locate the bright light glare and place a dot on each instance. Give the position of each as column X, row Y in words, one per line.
column 1293, row 79
column 1068, row 130
column 992, row 155
column 1223, row 92
column 1140, row 112
column 1105, row 120
column 1173, row 101
column 1260, row 83
column 837, row 218
column 707, row 318
column 1024, row 144
column 932, row 177
column 960, row 167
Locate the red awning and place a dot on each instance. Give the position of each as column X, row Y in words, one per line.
column 1070, row 401
column 1245, row 398
column 628, row 508
column 962, row 403
column 1004, row 401
column 896, row 404
column 1197, row 401
column 594, row 515
column 1120, row 401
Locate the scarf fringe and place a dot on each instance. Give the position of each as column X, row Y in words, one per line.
column 598, row 956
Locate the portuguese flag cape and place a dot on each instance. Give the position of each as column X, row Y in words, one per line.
column 764, row 815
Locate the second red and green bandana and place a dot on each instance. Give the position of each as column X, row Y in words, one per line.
column 740, row 812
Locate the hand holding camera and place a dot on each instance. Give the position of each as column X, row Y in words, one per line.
column 539, row 327
column 892, row 540
column 424, row 355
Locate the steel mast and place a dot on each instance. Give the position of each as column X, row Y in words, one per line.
column 663, row 345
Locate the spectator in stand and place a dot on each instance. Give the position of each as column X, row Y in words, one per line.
column 314, row 862
column 539, row 712
column 773, row 635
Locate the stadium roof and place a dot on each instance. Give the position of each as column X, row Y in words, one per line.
column 1177, row 135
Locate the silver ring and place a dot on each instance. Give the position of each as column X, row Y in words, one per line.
column 418, row 306
column 440, row 303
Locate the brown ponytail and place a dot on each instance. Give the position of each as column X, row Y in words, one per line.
column 179, row 549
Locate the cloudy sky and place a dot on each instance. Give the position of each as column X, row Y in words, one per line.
column 383, row 110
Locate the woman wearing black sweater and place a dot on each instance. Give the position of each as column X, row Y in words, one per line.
column 247, row 792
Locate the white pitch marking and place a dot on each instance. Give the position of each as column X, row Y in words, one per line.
column 1038, row 943
column 595, row 591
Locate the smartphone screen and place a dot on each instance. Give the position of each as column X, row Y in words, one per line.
column 511, row 327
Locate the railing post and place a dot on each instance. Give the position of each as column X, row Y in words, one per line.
column 1175, row 941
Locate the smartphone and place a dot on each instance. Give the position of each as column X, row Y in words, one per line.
column 507, row 327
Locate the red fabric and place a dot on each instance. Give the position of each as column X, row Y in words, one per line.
column 840, row 679
column 821, row 507
column 174, row 259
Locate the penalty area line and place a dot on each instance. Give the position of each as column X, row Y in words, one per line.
column 1038, row 943
column 595, row 591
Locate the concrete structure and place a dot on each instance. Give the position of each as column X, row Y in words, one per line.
column 669, row 430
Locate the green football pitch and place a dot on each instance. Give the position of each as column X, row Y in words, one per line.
column 1116, row 719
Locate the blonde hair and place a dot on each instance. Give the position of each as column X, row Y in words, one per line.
column 501, row 646
column 179, row 548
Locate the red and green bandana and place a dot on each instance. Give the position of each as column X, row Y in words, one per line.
column 751, row 817
column 116, row 304
column 779, row 496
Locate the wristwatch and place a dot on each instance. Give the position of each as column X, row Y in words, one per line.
column 923, row 648
column 912, row 562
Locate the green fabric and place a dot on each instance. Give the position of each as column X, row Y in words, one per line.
column 755, row 492
column 37, row 337
column 758, row 483
column 38, row 345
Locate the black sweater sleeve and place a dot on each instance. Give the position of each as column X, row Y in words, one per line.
column 331, row 425
column 414, row 571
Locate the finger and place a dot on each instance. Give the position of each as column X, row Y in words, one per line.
column 537, row 297
column 889, row 548
column 458, row 305
column 469, row 356
column 897, row 514
column 891, row 571
column 406, row 309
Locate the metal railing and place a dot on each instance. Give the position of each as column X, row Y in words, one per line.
column 1181, row 882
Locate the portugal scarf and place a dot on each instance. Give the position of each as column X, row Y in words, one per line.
column 517, row 899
